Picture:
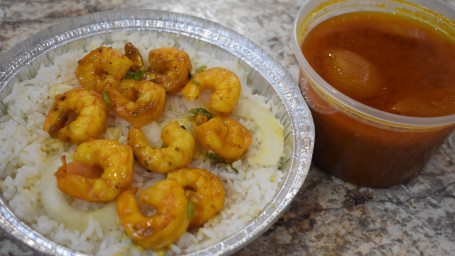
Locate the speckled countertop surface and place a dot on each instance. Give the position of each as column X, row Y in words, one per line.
column 328, row 216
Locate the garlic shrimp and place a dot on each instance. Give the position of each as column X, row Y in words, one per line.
column 158, row 231
column 138, row 102
column 100, row 170
column 169, row 67
column 203, row 189
column 86, row 107
column 102, row 67
column 178, row 152
column 225, row 137
column 224, row 83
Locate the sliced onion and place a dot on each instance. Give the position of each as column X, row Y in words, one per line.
column 57, row 207
column 59, row 88
column 271, row 134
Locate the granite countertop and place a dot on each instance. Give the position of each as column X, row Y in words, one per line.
column 328, row 216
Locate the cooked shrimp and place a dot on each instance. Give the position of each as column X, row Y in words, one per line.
column 167, row 225
column 226, row 86
column 100, row 170
column 205, row 190
column 178, row 153
column 169, row 67
column 87, row 107
column 142, row 103
column 134, row 55
column 225, row 137
column 101, row 67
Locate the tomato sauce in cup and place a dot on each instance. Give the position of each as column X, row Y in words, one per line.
column 381, row 88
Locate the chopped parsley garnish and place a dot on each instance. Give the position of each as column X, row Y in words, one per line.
column 203, row 111
column 190, row 209
column 137, row 75
column 107, row 99
column 201, row 69
column 233, row 168
column 196, row 82
column 214, row 157
column 218, row 159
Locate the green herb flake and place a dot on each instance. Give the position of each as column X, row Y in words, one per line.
column 214, row 157
column 203, row 111
column 146, row 163
column 190, row 209
column 129, row 75
column 201, row 69
column 137, row 75
column 196, row 82
column 107, row 99
column 234, row 169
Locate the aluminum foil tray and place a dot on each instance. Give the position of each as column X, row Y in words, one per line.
column 267, row 76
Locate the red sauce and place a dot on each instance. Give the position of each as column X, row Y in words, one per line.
column 388, row 62
column 409, row 64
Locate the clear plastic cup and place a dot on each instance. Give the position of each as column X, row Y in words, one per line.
column 355, row 142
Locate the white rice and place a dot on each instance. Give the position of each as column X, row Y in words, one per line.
column 29, row 156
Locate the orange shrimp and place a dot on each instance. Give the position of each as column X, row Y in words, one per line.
column 205, row 191
column 167, row 225
column 134, row 55
column 178, row 153
column 87, row 107
column 169, row 67
column 100, row 171
column 141, row 102
column 225, row 137
column 226, row 86
column 102, row 67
